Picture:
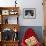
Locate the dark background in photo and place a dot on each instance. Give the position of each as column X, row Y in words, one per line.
column 29, row 11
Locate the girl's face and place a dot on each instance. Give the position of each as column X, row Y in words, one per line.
column 31, row 41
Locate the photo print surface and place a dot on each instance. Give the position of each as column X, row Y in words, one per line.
column 29, row 13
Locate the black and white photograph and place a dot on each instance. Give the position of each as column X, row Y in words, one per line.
column 29, row 13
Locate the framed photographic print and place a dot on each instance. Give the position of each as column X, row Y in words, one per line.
column 9, row 19
column 7, row 34
column 12, row 20
column 5, row 12
column 5, row 20
column 29, row 13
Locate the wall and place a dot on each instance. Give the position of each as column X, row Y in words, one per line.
column 39, row 13
column 37, row 4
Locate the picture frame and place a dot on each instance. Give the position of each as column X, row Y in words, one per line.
column 12, row 19
column 9, row 20
column 5, row 20
column 13, row 12
column 5, row 12
column 29, row 13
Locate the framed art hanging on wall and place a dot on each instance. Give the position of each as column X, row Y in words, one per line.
column 29, row 13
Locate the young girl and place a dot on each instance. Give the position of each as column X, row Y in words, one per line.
column 30, row 39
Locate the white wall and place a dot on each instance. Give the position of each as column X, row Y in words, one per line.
column 37, row 4
column 7, row 3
